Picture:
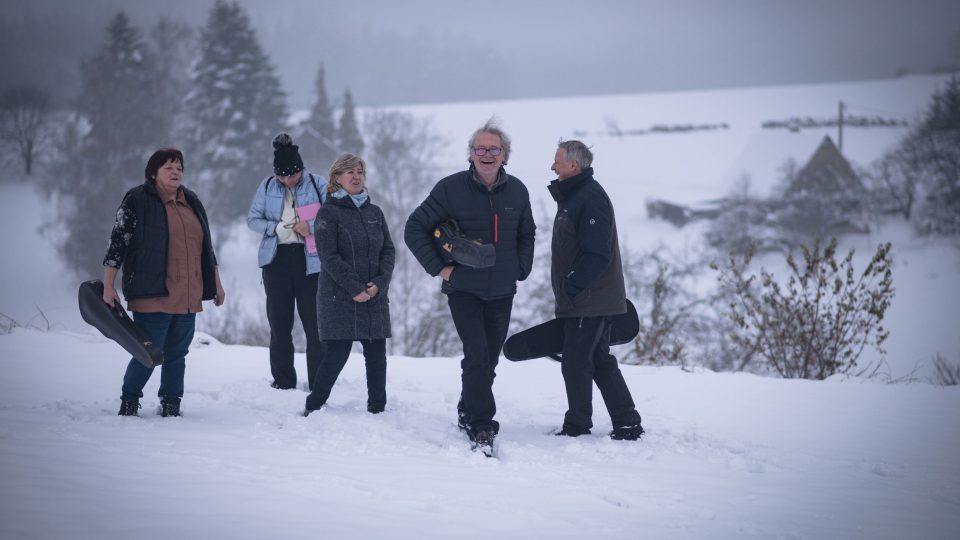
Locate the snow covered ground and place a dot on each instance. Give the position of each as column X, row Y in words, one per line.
column 726, row 455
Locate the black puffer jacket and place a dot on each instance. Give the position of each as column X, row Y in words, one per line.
column 139, row 240
column 585, row 268
column 355, row 249
column 501, row 216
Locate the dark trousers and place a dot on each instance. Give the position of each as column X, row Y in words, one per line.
column 587, row 360
column 286, row 283
column 335, row 357
column 173, row 332
column 482, row 327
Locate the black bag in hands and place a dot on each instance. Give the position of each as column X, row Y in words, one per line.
column 114, row 323
column 457, row 248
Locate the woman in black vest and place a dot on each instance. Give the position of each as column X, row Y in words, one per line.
column 356, row 263
column 161, row 240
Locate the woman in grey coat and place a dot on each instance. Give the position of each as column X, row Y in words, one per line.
column 356, row 261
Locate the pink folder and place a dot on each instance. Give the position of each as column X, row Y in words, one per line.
column 306, row 213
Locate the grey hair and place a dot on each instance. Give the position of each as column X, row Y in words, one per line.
column 344, row 163
column 577, row 151
column 492, row 127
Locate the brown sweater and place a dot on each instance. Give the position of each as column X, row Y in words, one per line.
column 184, row 280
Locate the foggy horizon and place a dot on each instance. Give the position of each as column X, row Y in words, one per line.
column 432, row 52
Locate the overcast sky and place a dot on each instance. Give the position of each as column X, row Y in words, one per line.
column 431, row 50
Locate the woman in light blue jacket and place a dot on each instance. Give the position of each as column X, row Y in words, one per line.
column 283, row 211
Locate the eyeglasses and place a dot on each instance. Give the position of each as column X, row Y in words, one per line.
column 484, row 151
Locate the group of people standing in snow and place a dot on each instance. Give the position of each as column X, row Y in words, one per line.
column 326, row 252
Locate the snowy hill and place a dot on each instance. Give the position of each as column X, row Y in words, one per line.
column 726, row 455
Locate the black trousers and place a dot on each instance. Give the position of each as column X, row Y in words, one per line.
column 335, row 357
column 482, row 327
column 587, row 360
column 287, row 284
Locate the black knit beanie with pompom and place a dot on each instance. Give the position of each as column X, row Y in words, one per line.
column 286, row 156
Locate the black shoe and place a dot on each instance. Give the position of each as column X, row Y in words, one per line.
column 375, row 409
column 627, row 433
column 129, row 407
column 277, row 385
column 484, row 437
column 170, row 407
column 483, row 441
column 571, row 432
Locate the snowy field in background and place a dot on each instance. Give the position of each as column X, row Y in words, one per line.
column 726, row 455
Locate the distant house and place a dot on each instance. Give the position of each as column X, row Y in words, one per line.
column 826, row 172
column 825, row 198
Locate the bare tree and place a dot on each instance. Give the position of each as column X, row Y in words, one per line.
column 25, row 113
column 401, row 154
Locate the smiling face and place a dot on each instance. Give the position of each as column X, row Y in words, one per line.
column 169, row 177
column 352, row 180
column 564, row 166
column 487, row 165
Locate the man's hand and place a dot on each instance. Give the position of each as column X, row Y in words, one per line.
column 445, row 272
column 372, row 289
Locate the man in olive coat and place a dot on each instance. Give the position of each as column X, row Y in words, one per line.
column 587, row 280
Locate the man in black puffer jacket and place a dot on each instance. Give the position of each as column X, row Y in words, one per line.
column 587, row 280
column 494, row 207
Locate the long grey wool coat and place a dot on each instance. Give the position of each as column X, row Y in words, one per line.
column 355, row 249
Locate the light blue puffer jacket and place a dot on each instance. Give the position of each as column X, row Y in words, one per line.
column 265, row 212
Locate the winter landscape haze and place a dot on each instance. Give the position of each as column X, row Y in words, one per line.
column 726, row 455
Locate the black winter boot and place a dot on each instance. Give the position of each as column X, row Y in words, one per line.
column 170, row 407
column 129, row 407
column 627, row 433
column 571, row 432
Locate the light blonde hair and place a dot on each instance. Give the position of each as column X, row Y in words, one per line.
column 342, row 164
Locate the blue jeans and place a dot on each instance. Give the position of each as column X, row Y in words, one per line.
column 173, row 332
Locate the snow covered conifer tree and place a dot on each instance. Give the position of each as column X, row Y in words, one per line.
column 318, row 137
column 112, row 137
column 349, row 134
column 236, row 106
column 174, row 44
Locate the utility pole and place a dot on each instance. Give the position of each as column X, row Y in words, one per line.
column 840, row 128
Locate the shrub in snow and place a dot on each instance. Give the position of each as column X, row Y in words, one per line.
column 819, row 322
column 945, row 374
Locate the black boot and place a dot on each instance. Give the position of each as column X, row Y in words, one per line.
column 170, row 407
column 627, row 433
column 129, row 407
